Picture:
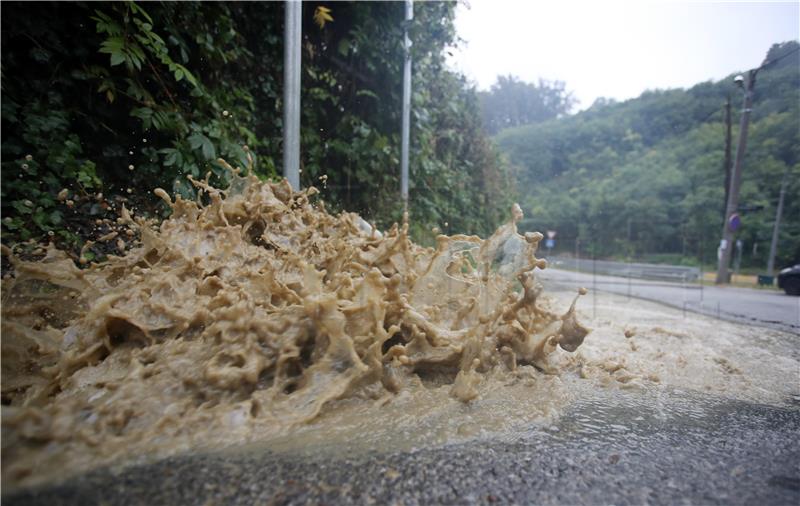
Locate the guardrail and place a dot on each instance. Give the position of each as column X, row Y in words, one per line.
column 627, row 270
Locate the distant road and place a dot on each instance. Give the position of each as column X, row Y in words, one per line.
column 757, row 307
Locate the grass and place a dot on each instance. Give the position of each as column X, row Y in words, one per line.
column 740, row 280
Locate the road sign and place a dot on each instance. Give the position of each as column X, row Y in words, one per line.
column 734, row 222
column 723, row 243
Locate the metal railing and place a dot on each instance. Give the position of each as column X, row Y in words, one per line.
column 627, row 270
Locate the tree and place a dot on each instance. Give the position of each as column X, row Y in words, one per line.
column 100, row 98
column 511, row 102
column 643, row 177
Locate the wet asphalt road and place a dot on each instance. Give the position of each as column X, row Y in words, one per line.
column 743, row 305
column 625, row 448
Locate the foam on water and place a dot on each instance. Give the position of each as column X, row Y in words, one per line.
column 248, row 314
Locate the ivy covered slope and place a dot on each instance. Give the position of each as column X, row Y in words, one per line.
column 110, row 100
column 646, row 176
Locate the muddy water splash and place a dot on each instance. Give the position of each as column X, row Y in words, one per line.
column 256, row 305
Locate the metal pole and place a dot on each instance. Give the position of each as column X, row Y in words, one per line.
column 594, row 282
column 291, row 91
column 773, row 247
column 736, row 179
column 406, row 108
column 702, row 271
column 737, row 262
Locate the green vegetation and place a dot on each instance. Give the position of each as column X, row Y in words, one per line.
column 119, row 98
column 646, row 176
column 110, row 100
column 511, row 102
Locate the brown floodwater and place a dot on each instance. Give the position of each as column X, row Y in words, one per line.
column 252, row 320
column 252, row 312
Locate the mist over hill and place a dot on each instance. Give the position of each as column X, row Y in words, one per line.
column 645, row 178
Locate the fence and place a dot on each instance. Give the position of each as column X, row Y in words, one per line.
column 627, row 270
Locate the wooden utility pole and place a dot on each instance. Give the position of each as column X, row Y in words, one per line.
column 727, row 162
column 726, row 244
column 773, row 247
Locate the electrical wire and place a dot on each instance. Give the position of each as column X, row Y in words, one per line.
column 776, row 60
column 763, row 66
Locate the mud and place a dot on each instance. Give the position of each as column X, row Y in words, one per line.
column 252, row 314
column 252, row 322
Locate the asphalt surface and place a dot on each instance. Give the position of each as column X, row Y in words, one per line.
column 625, row 448
column 743, row 305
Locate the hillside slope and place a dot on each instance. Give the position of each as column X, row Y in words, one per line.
column 646, row 176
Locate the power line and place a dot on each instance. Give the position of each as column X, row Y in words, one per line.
column 764, row 65
column 767, row 63
column 716, row 110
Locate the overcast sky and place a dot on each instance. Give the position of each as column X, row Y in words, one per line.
column 618, row 49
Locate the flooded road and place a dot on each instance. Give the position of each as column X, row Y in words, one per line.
column 259, row 349
column 626, row 448
column 703, row 434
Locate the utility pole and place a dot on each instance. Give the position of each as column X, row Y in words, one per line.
column 773, row 247
column 726, row 244
column 292, row 32
column 406, row 126
column 727, row 161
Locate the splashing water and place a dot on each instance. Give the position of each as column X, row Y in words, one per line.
column 257, row 305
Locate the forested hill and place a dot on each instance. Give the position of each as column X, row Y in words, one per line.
column 646, row 176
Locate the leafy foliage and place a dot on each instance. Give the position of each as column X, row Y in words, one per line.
column 646, row 176
column 352, row 84
column 322, row 15
column 119, row 98
column 511, row 102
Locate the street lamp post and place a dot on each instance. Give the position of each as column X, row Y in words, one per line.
column 406, row 113
column 292, row 37
column 726, row 244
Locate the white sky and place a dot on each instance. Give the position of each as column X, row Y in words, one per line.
column 618, row 49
